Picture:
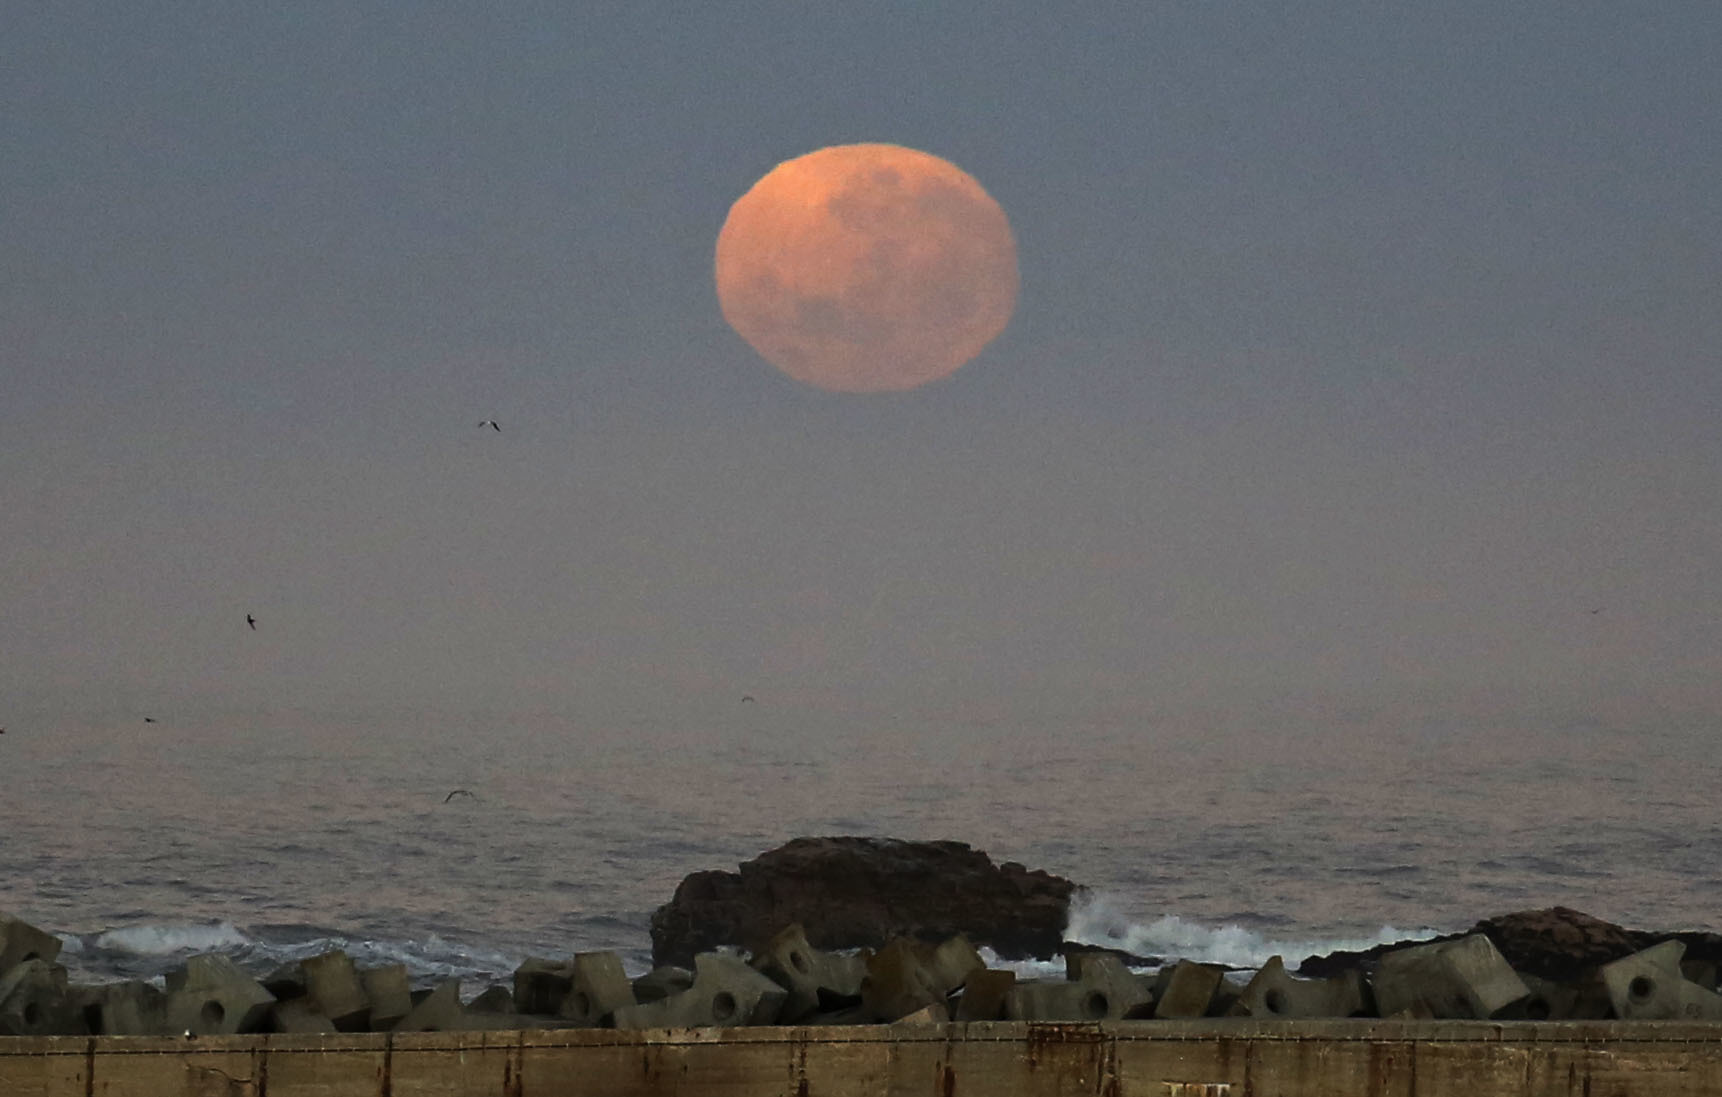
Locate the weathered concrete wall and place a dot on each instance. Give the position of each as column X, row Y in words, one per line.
column 1242, row 1058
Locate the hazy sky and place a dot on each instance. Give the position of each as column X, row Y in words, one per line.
column 1362, row 351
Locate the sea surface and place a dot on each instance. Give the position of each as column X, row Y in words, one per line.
column 277, row 834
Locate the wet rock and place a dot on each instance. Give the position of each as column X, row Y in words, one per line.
column 1558, row 943
column 862, row 892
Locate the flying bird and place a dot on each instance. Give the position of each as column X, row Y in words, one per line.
column 149, row 719
column 491, row 423
column 252, row 621
column 458, row 792
column 747, row 698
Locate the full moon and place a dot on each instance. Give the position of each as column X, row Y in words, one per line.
column 867, row 268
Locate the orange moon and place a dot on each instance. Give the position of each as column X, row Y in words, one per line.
column 867, row 268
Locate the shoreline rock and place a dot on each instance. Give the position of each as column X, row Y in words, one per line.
column 1556, row 943
column 855, row 892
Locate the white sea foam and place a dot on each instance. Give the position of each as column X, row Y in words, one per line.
column 166, row 940
column 1097, row 920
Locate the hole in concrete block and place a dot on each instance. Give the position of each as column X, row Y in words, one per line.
column 1537, row 1009
column 1641, row 988
column 582, row 1005
column 798, row 961
column 93, row 1018
column 1095, row 1006
column 1274, row 1000
column 723, row 1006
column 32, row 1014
column 28, row 956
column 212, row 1013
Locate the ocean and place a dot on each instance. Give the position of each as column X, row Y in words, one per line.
column 272, row 835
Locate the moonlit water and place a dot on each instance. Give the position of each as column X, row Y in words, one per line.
column 278, row 834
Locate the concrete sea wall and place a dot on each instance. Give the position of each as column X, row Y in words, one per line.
column 1204, row 1058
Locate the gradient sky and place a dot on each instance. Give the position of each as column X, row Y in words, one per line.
column 1362, row 351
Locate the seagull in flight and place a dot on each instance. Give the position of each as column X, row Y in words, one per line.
column 747, row 698
column 252, row 621
column 491, row 423
column 149, row 719
column 458, row 792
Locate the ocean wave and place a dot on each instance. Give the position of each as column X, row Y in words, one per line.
column 1096, row 919
column 168, row 940
column 150, row 950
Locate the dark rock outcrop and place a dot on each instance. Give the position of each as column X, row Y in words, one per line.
column 862, row 892
column 1557, row 943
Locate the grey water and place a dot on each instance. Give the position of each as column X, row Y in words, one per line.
column 272, row 834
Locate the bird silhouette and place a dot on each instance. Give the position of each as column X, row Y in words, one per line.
column 747, row 697
column 491, row 423
column 252, row 621
column 458, row 792
column 149, row 719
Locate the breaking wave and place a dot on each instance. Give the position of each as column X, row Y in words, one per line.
column 149, row 951
column 169, row 940
column 1097, row 920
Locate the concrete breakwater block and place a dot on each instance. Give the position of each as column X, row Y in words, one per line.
column 984, row 994
column 1103, row 990
column 598, row 988
column 935, row 1014
column 390, row 992
column 35, row 1001
column 908, row 975
column 899, row 981
column 285, row 981
column 1186, row 989
column 1274, row 993
column 1466, row 978
column 814, row 979
column 496, row 1001
column 540, row 985
column 726, row 993
column 21, row 941
column 953, row 960
column 1650, row 986
column 131, row 1008
column 299, row 1015
column 334, row 989
column 1550, row 1000
column 661, row 982
column 211, row 996
column 438, row 1011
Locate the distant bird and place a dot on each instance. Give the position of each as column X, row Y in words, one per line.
column 1596, row 610
column 149, row 719
column 458, row 792
column 252, row 621
column 491, row 423
column 747, row 698
column 2, row 731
